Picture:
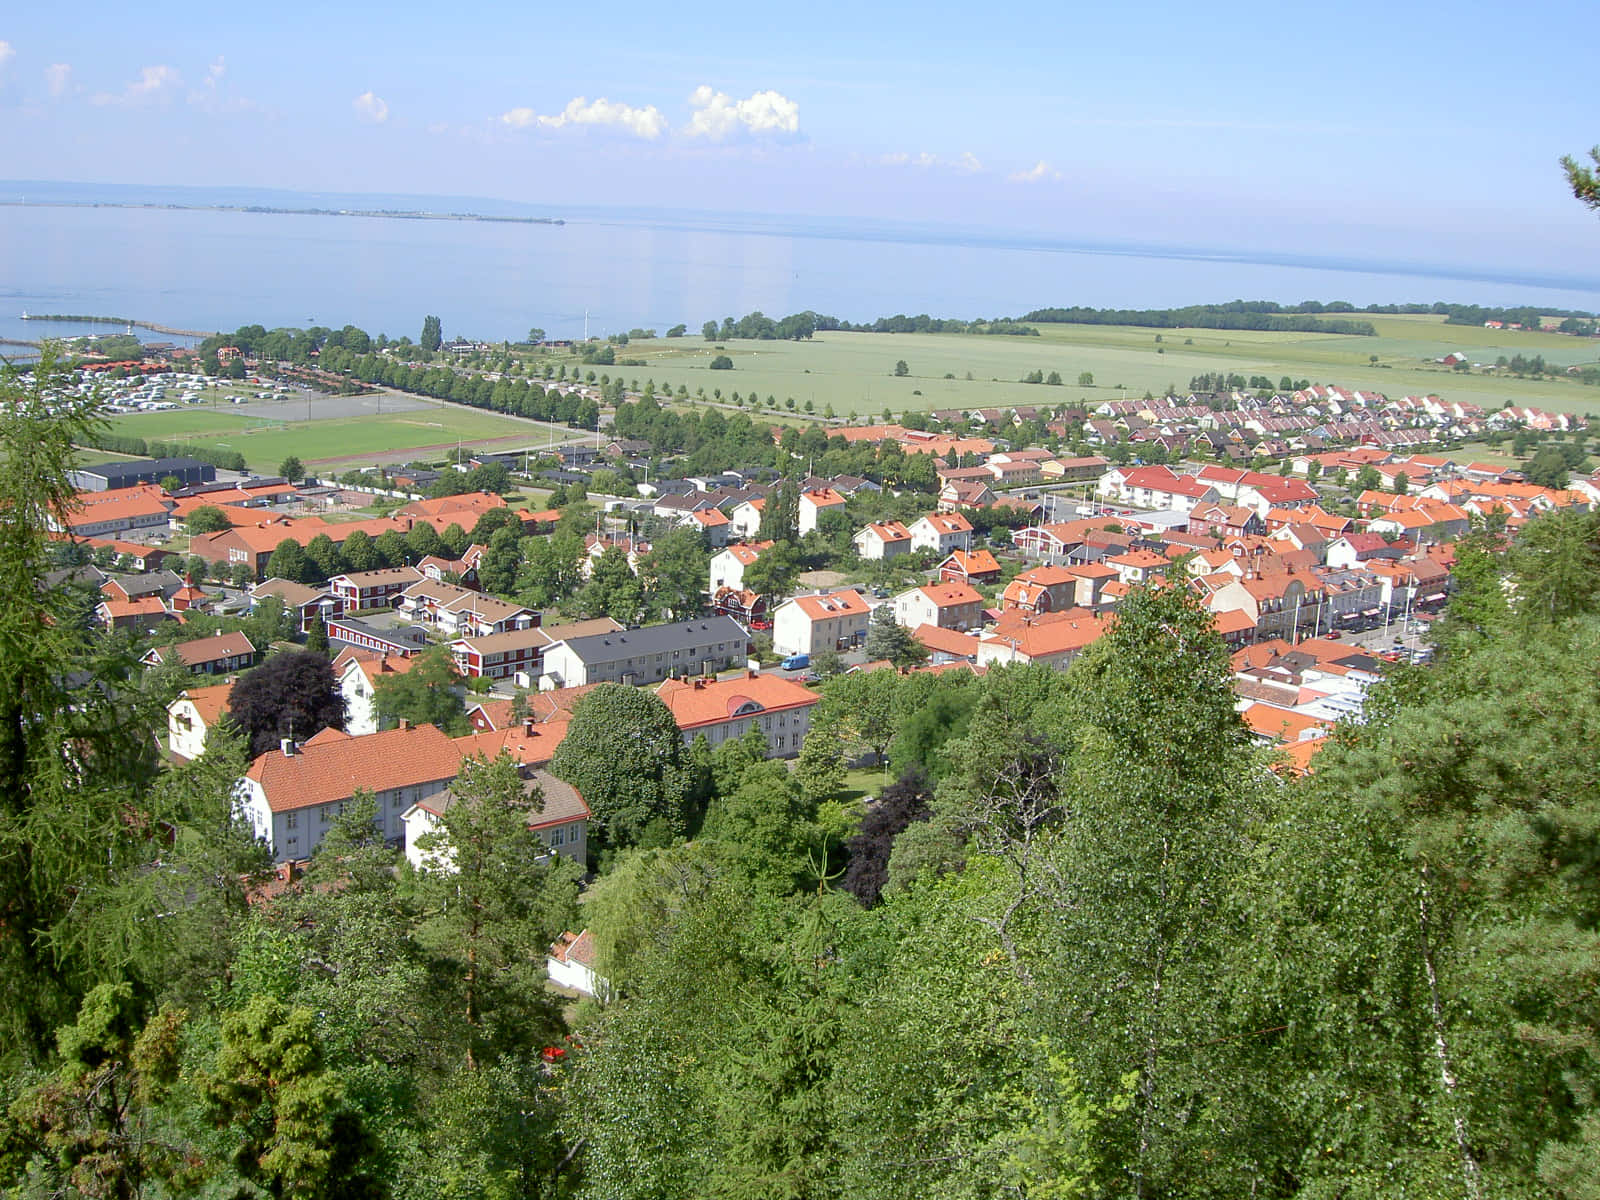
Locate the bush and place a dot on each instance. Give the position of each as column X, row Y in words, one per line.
column 722, row 363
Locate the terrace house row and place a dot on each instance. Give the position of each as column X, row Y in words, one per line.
column 646, row 655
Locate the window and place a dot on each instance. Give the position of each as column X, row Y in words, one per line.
column 558, row 836
column 397, row 801
column 291, row 820
column 323, row 811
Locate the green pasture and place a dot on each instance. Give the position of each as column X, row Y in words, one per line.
column 855, row 371
column 266, row 443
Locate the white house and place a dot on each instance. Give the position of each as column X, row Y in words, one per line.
column 745, row 519
column 813, row 504
column 560, row 817
column 193, row 715
column 358, row 672
column 883, row 540
column 941, row 533
column 728, row 567
column 570, row 964
column 947, row 605
column 811, row 624
column 726, row 709
column 291, row 795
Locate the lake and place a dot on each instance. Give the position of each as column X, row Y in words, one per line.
column 200, row 269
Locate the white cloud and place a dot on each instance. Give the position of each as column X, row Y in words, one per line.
column 1039, row 171
column 717, row 115
column 647, row 122
column 216, row 71
column 371, row 108
column 966, row 162
column 153, row 84
column 58, row 78
column 7, row 53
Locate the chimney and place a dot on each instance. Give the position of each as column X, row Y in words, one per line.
column 404, row 724
column 287, row 746
column 751, row 673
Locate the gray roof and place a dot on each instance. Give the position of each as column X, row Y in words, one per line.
column 153, row 583
column 655, row 639
column 152, row 468
column 399, row 635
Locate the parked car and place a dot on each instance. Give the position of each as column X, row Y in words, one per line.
column 797, row 662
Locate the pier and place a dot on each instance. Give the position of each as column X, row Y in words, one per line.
column 152, row 326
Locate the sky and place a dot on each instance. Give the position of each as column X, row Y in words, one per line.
column 1410, row 130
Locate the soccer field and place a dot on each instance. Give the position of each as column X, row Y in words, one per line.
column 345, row 441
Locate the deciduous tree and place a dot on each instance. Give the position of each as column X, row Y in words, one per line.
column 291, row 695
column 624, row 753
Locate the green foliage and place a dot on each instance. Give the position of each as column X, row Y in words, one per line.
column 208, row 518
column 294, row 1131
column 74, row 751
column 427, row 694
column 493, row 907
column 1582, row 180
column 624, row 754
column 889, row 641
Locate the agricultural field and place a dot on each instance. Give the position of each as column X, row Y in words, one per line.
column 854, row 372
column 341, row 431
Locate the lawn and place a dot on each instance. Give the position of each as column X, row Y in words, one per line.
column 338, row 440
column 854, row 372
column 862, row 783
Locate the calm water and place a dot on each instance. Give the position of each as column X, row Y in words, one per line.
column 219, row 270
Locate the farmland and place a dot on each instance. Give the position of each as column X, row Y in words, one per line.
column 855, row 371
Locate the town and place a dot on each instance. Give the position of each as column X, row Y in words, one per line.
column 1318, row 528
column 508, row 713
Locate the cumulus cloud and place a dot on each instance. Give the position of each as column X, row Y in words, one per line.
column 372, row 109
column 154, row 84
column 647, row 122
column 1039, row 171
column 215, row 72
column 58, row 78
column 717, row 115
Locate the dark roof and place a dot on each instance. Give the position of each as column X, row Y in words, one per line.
column 145, row 468
column 403, row 635
column 151, row 583
column 654, row 639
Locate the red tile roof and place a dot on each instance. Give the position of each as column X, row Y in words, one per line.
column 334, row 769
column 696, row 704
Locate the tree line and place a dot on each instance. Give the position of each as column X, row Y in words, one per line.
column 102, row 438
column 800, row 326
column 1259, row 315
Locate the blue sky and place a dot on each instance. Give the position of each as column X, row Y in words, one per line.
column 1420, row 130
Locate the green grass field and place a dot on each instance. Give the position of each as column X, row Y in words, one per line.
column 333, row 441
column 854, row 372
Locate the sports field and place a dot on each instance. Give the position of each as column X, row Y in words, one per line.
column 854, row 372
column 425, row 432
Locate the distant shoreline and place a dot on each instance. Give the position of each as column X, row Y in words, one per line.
column 393, row 214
